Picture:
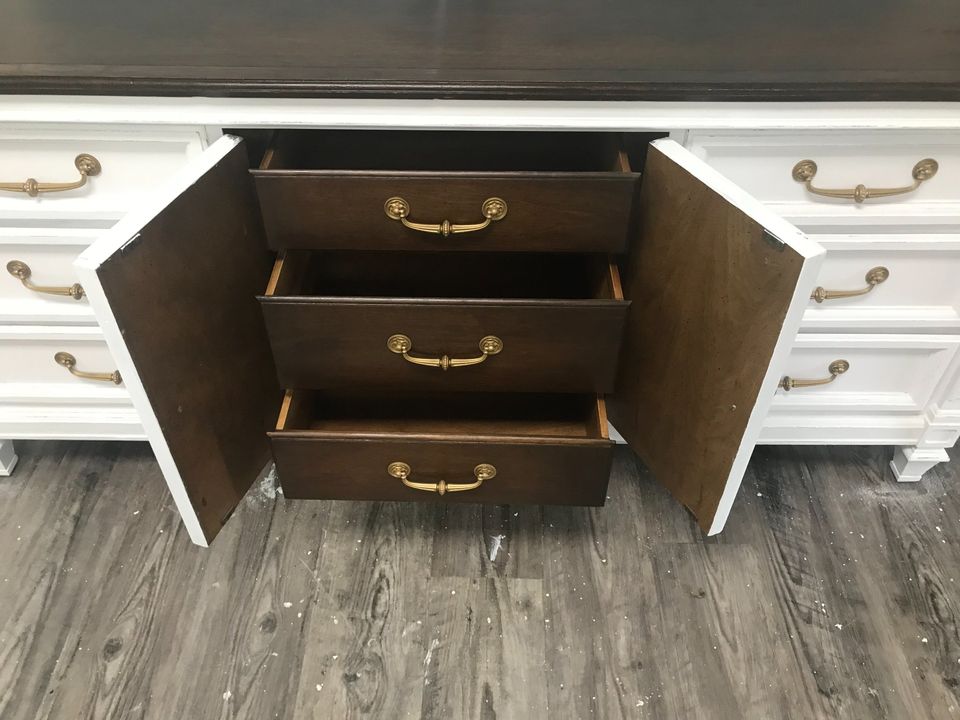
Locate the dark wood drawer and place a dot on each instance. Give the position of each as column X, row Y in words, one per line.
column 544, row 449
column 563, row 192
column 558, row 318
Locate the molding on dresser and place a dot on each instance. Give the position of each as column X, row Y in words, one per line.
column 486, row 114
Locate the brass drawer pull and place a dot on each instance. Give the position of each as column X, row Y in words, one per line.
column 874, row 277
column 805, row 170
column 493, row 209
column 70, row 363
column 836, row 369
column 87, row 164
column 22, row 272
column 401, row 471
column 401, row 344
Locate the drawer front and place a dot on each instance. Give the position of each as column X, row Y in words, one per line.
column 553, row 346
column 131, row 162
column 763, row 163
column 48, row 257
column 27, row 356
column 588, row 212
column 356, row 469
column 895, row 373
column 887, row 280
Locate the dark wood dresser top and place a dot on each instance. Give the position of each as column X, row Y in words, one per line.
column 483, row 49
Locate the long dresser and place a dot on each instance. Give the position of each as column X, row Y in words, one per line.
column 498, row 325
column 453, row 252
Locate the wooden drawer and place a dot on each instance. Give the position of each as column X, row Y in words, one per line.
column 546, row 449
column 132, row 163
column 559, row 320
column 920, row 292
column 27, row 356
column 762, row 163
column 562, row 191
column 48, row 253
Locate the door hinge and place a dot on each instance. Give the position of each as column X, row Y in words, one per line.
column 773, row 241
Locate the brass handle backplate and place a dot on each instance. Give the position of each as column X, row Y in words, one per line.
column 70, row 363
column 402, row 345
column 836, row 369
column 805, row 170
column 402, row 471
column 22, row 272
column 492, row 209
column 86, row 164
column 874, row 277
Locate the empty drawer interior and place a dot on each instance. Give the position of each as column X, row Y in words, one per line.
column 520, row 276
column 445, row 151
column 446, row 414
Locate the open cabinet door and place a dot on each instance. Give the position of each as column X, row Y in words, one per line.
column 718, row 285
column 174, row 287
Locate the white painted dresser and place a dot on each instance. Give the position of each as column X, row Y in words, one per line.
column 899, row 336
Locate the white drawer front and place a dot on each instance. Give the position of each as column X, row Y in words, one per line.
column 762, row 163
column 26, row 357
column 49, row 254
column 888, row 373
column 133, row 161
column 921, row 293
column 40, row 399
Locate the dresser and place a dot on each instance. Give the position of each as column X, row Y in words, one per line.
column 382, row 276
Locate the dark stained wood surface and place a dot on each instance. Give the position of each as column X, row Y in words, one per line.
column 709, row 295
column 831, row 594
column 196, row 335
column 559, row 49
column 564, row 192
column 546, row 448
column 446, row 304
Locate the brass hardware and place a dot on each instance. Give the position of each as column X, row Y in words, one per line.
column 70, row 363
column 401, row 344
column 874, row 277
column 805, row 170
column 401, row 471
column 87, row 164
column 836, row 369
column 22, row 272
column 493, row 209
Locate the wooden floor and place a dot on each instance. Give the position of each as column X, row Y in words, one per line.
column 832, row 594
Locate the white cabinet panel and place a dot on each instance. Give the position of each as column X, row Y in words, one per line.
column 762, row 163
column 134, row 162
column 922, row 292
column 49, row 253
column 26, row 357
column 888, row 373
column 41, row 399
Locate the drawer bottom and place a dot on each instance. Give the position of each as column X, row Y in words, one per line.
column 481, row 448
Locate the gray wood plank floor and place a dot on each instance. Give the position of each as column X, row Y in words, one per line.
column 832, row 594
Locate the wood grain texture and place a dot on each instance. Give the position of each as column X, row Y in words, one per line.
column 564, row 192
column 546, row 449
column 552, row 49
column 563, row 336
column 168, row 292
column 832, row 594
column 709, row 295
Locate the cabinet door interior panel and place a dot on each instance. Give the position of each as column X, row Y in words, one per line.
column 174, row 287
column 718, row 286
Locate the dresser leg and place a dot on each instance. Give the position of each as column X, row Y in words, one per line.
column 910, row 463
column 8, row 458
